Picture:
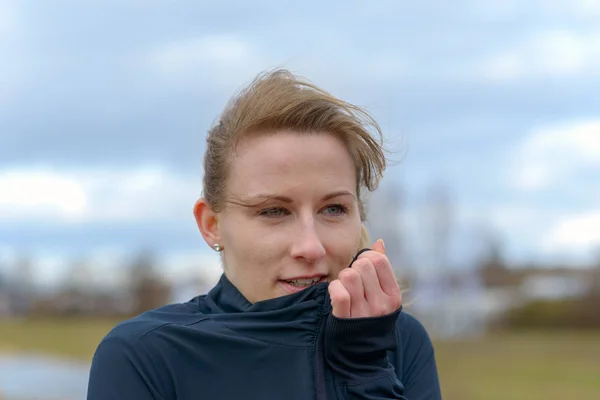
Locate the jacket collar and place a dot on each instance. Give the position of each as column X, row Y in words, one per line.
column 226, row 298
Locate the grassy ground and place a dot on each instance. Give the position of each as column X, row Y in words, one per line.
column 516, row 366
column 68, row 337
column 522, row 366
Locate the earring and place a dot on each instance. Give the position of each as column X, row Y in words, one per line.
column 217, row 247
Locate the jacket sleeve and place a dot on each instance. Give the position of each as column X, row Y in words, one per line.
column 417, row 358
column 356, row 351
column 121, row 370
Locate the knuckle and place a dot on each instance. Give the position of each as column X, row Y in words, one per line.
column 364, row 265
column 349, row 276
column 380, row 261
column 374, row 257
column 378, row 309
column 340, row 298
column 396, row 302
column 361, row 312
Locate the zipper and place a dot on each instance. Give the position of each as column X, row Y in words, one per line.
column 318, row 354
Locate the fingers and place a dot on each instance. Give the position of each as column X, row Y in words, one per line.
column 340, row 299
column 367, row 289
column 387, row 278
column 369, row 278
column 385, row 273
column 379, row 246
column 378, row 302
column 352, row 281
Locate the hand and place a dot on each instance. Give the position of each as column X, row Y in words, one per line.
column 368, row 289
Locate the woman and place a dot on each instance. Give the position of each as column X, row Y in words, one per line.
column 299, row 312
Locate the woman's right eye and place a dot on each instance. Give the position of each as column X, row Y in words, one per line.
column 273, row 212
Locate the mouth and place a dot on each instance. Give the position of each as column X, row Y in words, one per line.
column 299, row 284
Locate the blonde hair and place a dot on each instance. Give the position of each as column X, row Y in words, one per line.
column 278, row 100
column 365, row 241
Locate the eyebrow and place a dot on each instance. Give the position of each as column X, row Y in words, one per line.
column 285, row 199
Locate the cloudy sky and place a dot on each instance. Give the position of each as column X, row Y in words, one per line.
column 104, row 106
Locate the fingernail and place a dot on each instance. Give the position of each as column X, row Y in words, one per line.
column 382, row 243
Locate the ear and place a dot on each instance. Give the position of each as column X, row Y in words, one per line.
column 207, row 221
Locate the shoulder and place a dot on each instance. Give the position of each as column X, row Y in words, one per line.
column 143, row 328
column 409, row 326
column 143, row 341
column 131, row 361
column 413, row 339
column 414, row 359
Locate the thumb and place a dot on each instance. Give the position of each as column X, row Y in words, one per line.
column 379, row 246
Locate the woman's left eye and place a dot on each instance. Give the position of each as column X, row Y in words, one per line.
column 335, row 210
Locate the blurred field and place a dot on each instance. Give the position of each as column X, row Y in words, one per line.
column 522, row 366
column 65, row 337
column 516, row 366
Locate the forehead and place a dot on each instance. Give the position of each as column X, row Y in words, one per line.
column 288, row 160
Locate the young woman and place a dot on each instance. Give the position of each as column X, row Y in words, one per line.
column 305, row 308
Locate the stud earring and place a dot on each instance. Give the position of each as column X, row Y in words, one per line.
column 217, row 247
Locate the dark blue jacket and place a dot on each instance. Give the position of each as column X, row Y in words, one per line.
column 220, row 346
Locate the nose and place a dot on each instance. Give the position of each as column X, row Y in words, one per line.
column 307, row 244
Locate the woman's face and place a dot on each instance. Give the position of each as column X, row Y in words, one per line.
column 291, row 216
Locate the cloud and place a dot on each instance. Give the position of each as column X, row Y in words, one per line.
column 40, row 193
column 498, row 9
column 218, row 56
column 142, row 194
column 556, row 152
column 578, row 8
column 535, row 233
column 551, row 53
column 574, row 233
column 588, row 8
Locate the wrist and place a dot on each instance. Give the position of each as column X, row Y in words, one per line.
column 356, row 347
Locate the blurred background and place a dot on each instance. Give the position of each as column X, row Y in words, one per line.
column 490, row 210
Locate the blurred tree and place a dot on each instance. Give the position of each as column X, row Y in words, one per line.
column 76, row 296
column 595, row 278
column 147, row 289
column 24, row 293
column 436, row 224
column 385, row 220
column 572, row 313
column 438, row 220
column 80, row 276
column 24, row 273
column 492, row 268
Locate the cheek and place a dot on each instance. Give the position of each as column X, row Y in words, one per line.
column 237, row 230
column 343, row 245
column 249, row 245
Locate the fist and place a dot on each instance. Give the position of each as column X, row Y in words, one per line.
column 368, row 289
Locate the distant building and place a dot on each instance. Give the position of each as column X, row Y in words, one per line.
column 463, row 304
column 556, row 286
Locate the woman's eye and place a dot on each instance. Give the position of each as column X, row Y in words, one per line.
column 335, row 210
column 273, row 212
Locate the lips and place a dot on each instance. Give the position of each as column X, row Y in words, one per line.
column 297, row 284
column 304, row 281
